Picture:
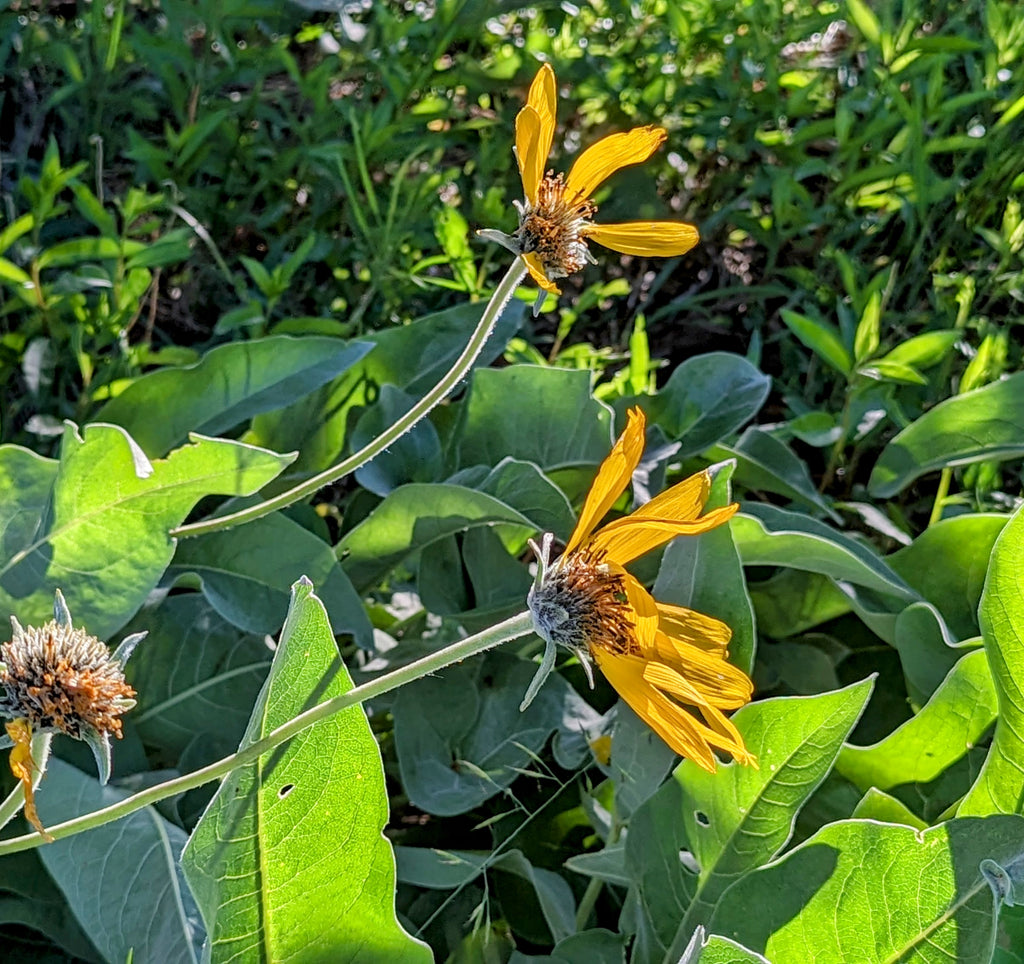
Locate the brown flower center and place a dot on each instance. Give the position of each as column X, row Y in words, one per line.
column 583, row 604
column 555, row 228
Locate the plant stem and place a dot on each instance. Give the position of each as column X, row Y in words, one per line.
column 512, row 628
column 940, row 496
column 595, row 886
column 506, row 288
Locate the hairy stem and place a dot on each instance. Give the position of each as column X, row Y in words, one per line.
column 506, row 288
column 494, row 636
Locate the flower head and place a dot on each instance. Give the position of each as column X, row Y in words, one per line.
column 667, row 662
column 58, row 679
column 555, row 217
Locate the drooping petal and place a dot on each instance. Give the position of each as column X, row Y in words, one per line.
column 543, row 98
column 660, row 239
column 629, row 538
column 608, row 155
column 23, row 766
column 645, row 613
column 536, row 269
column 694, row 628
column 720, row 684
column 675, row 726
column 612, row 477
column 528, row 151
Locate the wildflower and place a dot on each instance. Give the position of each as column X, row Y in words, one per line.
column 555, row 218
column 58, row 679
column 667, row 662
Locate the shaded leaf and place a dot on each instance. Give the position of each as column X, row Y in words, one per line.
column 154, row 917
column 228, row 385
column 555, row 423
column 247, row 572
column 706, row 399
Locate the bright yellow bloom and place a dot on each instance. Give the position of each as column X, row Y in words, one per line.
column 555, row 219
column 667, row 662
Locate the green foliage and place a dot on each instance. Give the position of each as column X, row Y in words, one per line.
column 238, row 243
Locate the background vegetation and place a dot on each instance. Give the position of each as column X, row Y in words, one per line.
column 255, row 222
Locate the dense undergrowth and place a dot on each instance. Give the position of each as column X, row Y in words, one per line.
column 237, row 242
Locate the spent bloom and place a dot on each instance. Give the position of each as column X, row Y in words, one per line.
column 59, row 679
column 555, row 219
column 667, row 662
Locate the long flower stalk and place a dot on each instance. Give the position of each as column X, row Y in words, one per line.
column 510, row 629
column 506, row 288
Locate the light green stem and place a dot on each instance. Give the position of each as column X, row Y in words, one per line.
column 506, row 288
column 512, row 628
column 940, row 496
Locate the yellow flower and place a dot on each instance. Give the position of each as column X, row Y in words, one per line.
column 667, row 662
column 555, row 219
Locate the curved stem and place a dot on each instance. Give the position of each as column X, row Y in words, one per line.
column 512, row 628
column 500, row 298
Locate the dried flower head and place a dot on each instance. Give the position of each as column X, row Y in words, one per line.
column 59, row 679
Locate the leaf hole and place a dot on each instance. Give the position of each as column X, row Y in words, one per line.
column 285, row 790
column 702, row 818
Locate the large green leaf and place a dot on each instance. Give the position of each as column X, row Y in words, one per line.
column 737, row 819
column 121, row 880
column 541, row 415
column 1000, row 786
column 766, row 463
column 413, row 517
column 229, row 385
column 247, row 573
column 954, row 719
column 953, row 585
column 704, row 573
column 95, row 523
column 768, row 536
column 874, row 892
column 987, row 423
column 197, row 679
column 412, row 357
column 288, row 862
column 706, row 399
column 30, row 898
column 454, row 760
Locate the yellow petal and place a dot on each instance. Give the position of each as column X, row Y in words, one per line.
column 608, row 155
column 536, row 269
column 542, row 98
column 531, row 161
column 629, row 538
column 720, row 684
column 22, row 766
column 660, row 239
column 645, row 613
column 675, row 726
column 683, row 501
column 694, row 628
column 612, row 477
